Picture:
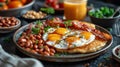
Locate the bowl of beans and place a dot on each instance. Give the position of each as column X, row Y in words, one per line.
column 9, row 24
column 32, row 15
column 116, row 53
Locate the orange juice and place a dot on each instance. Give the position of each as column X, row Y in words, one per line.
column 75, row 9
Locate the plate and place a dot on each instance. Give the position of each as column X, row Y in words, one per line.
column 63, row 58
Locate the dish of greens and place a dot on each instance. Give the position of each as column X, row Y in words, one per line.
column 103, row 12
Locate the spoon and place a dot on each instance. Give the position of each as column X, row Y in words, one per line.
column 115, row 12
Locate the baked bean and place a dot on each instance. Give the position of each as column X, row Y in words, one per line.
column 22, row 44
column 35, row 46
column 33, row 51
column 31, row 46
column 47, row 48
column 52, row 54
column 28, row 49
column 52, row 50
column 40, row 41
column 37, row 50
column 38, row 37
column 46, row 53
column 23, row 40
column 28, row 44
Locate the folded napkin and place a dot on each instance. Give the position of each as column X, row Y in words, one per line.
column 8, row 60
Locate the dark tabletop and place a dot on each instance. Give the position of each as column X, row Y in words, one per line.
column 104, row 60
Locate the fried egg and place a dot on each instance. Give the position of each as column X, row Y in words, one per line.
column 63, row 38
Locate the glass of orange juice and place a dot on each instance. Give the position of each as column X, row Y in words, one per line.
column 75, row 9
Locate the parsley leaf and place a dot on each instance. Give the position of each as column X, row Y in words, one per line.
column 39, row 23
column 35, row 30
column 48, row 10
column 46, row 28
column 68, row 23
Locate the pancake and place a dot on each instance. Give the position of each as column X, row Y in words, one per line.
column 92, row 47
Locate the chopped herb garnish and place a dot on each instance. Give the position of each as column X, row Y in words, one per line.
column 46, row 28
column 68, row 23
column 36, row 42
column 48, row 10
column 39, row 23
column 41, row 47
column 57, row 55
column 35, row 30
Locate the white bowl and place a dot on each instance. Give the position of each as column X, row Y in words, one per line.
column 115, row 51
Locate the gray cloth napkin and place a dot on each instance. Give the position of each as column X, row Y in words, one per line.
column 8, row 60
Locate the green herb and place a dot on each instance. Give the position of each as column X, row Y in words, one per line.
column 103, row 12
column 39, row 23
column 56, row 55
column 68, row 23
column 46, row 28
column 41, row 47
column 36, row 42
column 48, row 10
column 35, row 30
column 7, row 39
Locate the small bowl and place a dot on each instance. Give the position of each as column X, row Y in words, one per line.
column 11, row 28
column 16, row 11
column 104, row 22
column 32, row 20
column 115, row 53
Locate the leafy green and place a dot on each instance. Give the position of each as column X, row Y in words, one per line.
column 39, row 23
column 36, row 42
column 46, row 28
column 103, row 12
column 48, row 10
column 68, row 23
column 35, row 30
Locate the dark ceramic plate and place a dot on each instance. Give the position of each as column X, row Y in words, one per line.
column 63, row 58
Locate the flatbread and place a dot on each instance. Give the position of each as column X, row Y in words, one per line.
column 92, row 47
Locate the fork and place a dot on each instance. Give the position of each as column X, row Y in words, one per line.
column 117, row 28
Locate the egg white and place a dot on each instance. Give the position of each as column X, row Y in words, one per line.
column 62, row 44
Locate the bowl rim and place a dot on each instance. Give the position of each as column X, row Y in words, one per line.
column 12, row 26
column 102, row 18
column 31, row 3
column 114, row 53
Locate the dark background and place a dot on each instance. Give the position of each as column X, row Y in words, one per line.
column 105, row 59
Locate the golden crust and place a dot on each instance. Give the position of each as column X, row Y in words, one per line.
column 92, row 47
column 89, row 24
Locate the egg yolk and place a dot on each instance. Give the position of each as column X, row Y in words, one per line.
column 86, row 34
column 54, row 37
column 61, row 31
column 72, row 39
